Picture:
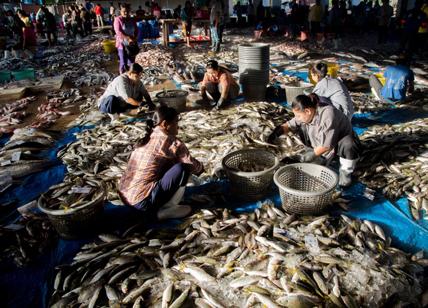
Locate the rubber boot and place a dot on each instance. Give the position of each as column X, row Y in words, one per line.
column 172, row 209
column 347, row 166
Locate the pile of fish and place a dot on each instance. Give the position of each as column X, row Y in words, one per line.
column 75, row 61
column 211, row 135
column 95, row 77
column 264, row 259
column 101, row 154
column 157, row 56
column 12, row 114
column 364, row 102
column 19, row 156
column 395, row 160
column 26, row 238
column 72, row 193
column 291, row 49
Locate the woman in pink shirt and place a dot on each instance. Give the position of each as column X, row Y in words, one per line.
column 125, row 28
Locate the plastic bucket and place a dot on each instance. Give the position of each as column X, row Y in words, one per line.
column 291, row 91
column 109, row 46
column 332, row 70
column 381, row 78
column 28, row 73
column 254, row 70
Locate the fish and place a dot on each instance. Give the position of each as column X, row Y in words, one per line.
column 394, row 161
column 340, row 275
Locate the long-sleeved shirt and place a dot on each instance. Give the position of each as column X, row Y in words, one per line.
column 124, row 27
column 327, row 127
column 123, row 87
column 338, row 94
column 149, row 163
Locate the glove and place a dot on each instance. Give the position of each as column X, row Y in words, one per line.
column 308, row 156
column 278, row 131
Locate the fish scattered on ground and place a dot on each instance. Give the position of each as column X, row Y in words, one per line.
column 395, row 160
column 262, row 259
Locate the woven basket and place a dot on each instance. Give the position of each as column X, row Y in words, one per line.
column 75, row 222
column 250, row 185
column 305, row 188
column 173, row 98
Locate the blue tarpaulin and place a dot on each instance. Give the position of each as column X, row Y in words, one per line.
column 30, row 286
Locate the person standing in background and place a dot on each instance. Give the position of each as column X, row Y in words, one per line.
column 66, row 21
column 99, row 13
column 112, row 10
column 28, row 36
column 315, row 17
column 384, row 18
column 51, row 27
column 186, row 19
column 85, row 15
column 40, row 20
column 125, row 28
column 251, row 14
column 216, row 22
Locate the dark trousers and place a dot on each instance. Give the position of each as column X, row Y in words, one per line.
column 125, row 60
column 112, row 104
column 348, row 147
column 214, row 89
column 164, row 189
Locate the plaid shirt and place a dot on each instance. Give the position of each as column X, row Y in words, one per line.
column 150, row 162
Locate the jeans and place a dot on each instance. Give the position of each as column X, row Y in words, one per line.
column 112, row 104
column 124, row 61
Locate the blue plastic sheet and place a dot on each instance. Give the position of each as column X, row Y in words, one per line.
column 300, row 74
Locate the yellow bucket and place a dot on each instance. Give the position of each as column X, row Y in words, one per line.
column 109, row 46
column 381, row 78
column 332, row 70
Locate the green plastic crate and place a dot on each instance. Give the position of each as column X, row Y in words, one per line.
column 24, row 74
column 5, row 76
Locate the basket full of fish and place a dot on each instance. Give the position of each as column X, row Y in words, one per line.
column 73, row 206
column 305, row 189
column 173, row 98
column 250, row 171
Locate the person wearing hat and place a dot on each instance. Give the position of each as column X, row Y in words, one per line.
column 325, row 131
column 332, row 88
column 125, row 92
column 218, row 85
column 399, row 80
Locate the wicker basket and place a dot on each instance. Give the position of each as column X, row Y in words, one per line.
column 76, row 222
column 305, row 188
column 250, row 185
column 173, row 98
